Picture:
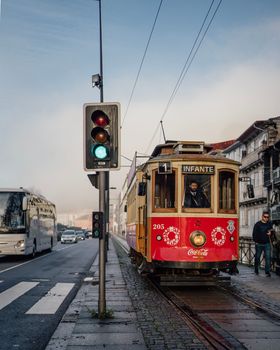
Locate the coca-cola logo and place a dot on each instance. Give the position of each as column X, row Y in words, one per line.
column 198, row 252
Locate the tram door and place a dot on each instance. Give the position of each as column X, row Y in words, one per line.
column 142, row 227
column 142, row 218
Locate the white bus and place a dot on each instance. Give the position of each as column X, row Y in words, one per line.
column 27, row 223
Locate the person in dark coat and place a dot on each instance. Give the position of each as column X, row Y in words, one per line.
column 195, row 198
column 261, row 236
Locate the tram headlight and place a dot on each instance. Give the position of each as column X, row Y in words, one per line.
column 231, row 238
column 198, row 238
column 159, row 238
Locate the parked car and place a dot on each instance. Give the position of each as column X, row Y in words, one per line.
column 69, row 236
column 80, row 235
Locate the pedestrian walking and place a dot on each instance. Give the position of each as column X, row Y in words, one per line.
column 261, row 236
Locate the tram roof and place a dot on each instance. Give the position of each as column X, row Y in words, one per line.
column 187, row 150
column 192, row 157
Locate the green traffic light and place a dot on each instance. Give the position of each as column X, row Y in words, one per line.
column 96, row 234
column 100, row 151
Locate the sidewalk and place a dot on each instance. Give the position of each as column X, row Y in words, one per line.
column 258, row 286
column 79, row 330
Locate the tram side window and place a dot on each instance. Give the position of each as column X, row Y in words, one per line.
column 164, row 190
column 197, row 193
column 226, row 191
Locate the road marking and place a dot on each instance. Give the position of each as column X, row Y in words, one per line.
column 88, row 279
column 50, row 303
column 15, row 292
column 32, row 260
column 70, row 246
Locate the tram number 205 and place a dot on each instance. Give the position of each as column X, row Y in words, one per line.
column 158, row 226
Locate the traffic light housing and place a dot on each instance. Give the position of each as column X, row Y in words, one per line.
column 250, row 190
column 102, row 136
column 97, row 224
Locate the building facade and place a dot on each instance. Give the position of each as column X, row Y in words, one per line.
column 258, row 150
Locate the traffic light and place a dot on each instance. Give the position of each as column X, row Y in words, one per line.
column 97, row 224
column 250, row 190
column 102, row 136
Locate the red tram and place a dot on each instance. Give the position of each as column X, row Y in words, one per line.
column 182, row 213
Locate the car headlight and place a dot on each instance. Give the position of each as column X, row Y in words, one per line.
column 198, row 238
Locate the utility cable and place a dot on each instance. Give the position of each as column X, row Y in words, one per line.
column 181, row 76
column 141, row 64
column 126, row 158
column 185, row 70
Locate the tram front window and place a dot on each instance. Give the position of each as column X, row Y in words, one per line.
column 164, row 190
column 226, row 191
column 197, row 192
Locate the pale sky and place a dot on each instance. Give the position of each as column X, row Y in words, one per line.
column 50, row 49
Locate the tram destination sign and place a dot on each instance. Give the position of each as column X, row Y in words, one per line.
column 198, row 169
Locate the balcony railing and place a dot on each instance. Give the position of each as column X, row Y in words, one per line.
column 276, row 175
column 275, row 212
column 251, row 157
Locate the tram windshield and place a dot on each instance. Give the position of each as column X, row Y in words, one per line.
column 164, row 190
column 11, row 213
column 197, row 191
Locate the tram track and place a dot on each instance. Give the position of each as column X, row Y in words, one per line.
column 203, row 330
column 223, row 318
column 252, row 303
column 220, row 317
column 206, row 334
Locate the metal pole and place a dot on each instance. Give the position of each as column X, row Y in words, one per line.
column 102, row 202
column 102, row 271
column 101, row 55
column 107, row 176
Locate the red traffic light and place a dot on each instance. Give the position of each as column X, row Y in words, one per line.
column 99, row 118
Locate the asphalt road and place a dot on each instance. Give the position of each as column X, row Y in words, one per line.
column 35, row 293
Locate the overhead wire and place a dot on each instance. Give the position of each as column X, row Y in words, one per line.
column 186, row 66
column 141, row 64
column 179, row 84
column 181, row 76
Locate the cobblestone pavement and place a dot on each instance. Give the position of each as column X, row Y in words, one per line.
column 161, row 326
column 261, row 289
